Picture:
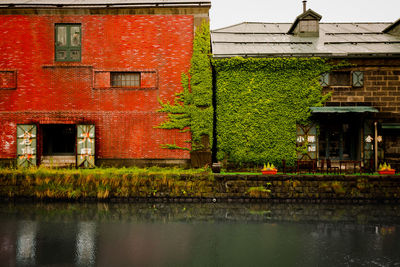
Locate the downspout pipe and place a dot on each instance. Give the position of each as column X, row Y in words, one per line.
column 376, row 145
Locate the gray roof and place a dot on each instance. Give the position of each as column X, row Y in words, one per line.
column 115, row 3
column 394, row 25
column 254, row 39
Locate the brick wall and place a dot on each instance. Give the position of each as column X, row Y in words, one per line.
column 381, row 86
column 158, row 46
column 124, row 134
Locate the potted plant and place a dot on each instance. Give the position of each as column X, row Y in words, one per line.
column 386, row 169
column 269, row 169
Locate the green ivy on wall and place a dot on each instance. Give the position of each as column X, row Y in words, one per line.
column 192, row 108
column 259, row 103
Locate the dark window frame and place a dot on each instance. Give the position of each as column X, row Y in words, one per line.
column 336, row 77
column 117, row 80
column 68, row 48
column 326, row 79
column 14, row 79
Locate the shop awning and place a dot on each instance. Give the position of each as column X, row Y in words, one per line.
column 391, row 126
column 359, row 109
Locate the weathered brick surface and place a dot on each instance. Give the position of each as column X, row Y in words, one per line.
column 381, row 86
column 381, row 90
column 159, row 46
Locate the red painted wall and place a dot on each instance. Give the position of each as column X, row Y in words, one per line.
column 158, row 46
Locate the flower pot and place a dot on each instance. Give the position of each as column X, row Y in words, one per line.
column 387, row 172
column 269, row 172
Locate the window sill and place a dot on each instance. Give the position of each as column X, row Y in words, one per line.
column 342, row 86
column 125, row 88
column 66, row 65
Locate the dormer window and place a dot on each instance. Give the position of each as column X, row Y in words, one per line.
column 308, row 26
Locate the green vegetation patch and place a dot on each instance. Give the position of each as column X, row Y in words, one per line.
column 259, row 103
column 102, row 183
column 192, row 109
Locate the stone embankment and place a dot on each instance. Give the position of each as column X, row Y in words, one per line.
column 198, row 187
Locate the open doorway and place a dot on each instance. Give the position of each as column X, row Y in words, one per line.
column 59, row 144
column 340, row 139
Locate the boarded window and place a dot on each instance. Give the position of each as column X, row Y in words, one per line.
column 125, row 79
column 68, row 42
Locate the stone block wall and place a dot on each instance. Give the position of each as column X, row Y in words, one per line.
column 313, row 188
column 381, row 86
column 201, row 187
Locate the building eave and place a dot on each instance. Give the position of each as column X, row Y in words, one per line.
column 105, row 4
column 322, row 55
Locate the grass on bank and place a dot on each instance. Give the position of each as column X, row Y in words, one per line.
column 100, row 183
column 106, row 172
column 302, row 174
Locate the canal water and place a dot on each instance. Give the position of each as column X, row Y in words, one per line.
column 214, row 234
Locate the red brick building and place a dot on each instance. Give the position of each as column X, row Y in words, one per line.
column 80, row 83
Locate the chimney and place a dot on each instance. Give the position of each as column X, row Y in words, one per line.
column 304, row 6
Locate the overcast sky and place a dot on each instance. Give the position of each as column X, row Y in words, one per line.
column 228, row 12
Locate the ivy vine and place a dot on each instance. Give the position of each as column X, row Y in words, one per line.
column 259, row 103
column 192, row 109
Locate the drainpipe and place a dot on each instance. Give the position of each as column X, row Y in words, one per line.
column 376, row 145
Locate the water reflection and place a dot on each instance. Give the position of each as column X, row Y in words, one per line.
column 26, row 243
column 85, row 244
column 198, row 235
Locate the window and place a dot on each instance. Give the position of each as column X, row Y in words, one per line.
column 342, row 78
column 125, row 79
column 8, row 79
column 339, row 78
column 308, row 26
column 68, row 42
